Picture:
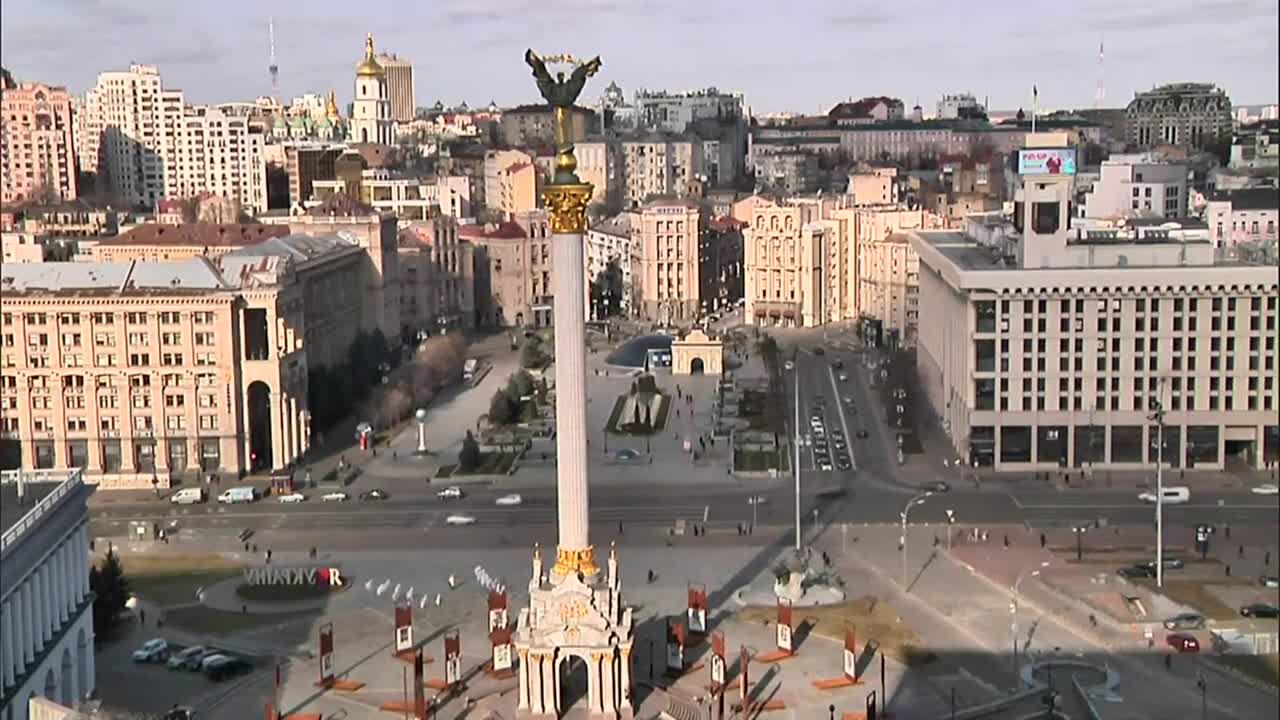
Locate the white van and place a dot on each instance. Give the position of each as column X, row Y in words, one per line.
column 238, row 495
column 1169, row 495
column 188, row 496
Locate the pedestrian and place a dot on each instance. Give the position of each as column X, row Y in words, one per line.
column 1042, row 540
column 1228, row 569
column 1266, row 559
column 1240, row 552
column 1227, row 529
column 1006, row 540
column 453, row 582
column 437, row 599
column 313, row 552
column 619, row 527
column 1168, row 661
column 268, row 556
column 142, row 617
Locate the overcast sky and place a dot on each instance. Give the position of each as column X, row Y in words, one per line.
column 782, row 54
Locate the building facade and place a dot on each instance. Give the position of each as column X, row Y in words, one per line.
column 371, row 120
column 1052, row 349
column 1133, row 186
column 657, row 166
column 601, row 163
column 610, row 241
column 534, row 126
column 1191, row 115
column 437, row 277
column 37, row 145
column 1243, row 217
column 400, row 89
column 784, row 252
column 514, row 279
column 879, row 186
column 667, row 235
column 510, row 182
column 889, row 286
column 46, row 606
column 674, row 112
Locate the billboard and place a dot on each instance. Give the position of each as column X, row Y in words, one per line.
column 1047, row 161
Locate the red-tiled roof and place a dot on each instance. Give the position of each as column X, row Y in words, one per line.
column 503, row 231
column 517, row 166
column 726, row 222
column 198, row 234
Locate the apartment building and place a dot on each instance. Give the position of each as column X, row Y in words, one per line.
column 1051, row 348
column 514, row 271
column 156, row 242
column 889, row 286
column 674, row 112
column 655, row 166
column 21, row 247
column 667, row 236
column 874, row 186
column 1133, row 186
column 400, row 91
column 307, row 162
column 532, row 126
column 601, row 163
column 438, row 276
column 37, row 144
column 410, row 199
column 510, row 182
column 790, row 173
column 785, row 251
column 610, row 240
column 1191, row 115
column 1241, row 217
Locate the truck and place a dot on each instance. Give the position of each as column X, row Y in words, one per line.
column 469, row 369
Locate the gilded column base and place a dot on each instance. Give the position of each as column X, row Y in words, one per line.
column 574, row 561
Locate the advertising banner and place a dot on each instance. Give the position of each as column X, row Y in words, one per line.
column 497, row 609
column 1047, row 161
column 675, row 646
column 452, row 659
column 404, row 627
column 717, row 661
column 784, row 626
column 744, row 687
column 503, row 651
column 850, row 653
column 326, row 654
column 697, row 612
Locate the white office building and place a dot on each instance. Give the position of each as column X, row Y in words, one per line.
column 1137, row 186
column 46, row 610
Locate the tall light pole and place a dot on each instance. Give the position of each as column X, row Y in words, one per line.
column 1158, row 416
column 1013, row 613
column 914, row 501
column 795, row 461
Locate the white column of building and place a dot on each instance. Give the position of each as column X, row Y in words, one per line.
column 83, row 544
column 35, row 593
column 8, row 644
column 64, row 580
column 571, row 395
column 44, row 603
column 56, row 598
column 27, row 624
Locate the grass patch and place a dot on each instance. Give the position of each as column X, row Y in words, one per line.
column 283, row 593
column 206, row 621
column 1195, row 593
column 1265, row 668
column 760, row 460
column 491, row 463
column 871, row 619
column 174, row 579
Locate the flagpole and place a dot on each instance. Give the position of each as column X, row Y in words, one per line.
column 1035, row 101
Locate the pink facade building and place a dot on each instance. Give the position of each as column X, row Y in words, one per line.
column 37, row 149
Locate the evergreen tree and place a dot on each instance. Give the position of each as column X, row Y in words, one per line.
column 469, row 457
column 111, row 592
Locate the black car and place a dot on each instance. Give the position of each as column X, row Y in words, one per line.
column 819, row 351
column 1137, row 571
column 837, row 364
column 226, row 667
column 374, row 494
column 843, row 463
column 862, row 434
column 1260, row 610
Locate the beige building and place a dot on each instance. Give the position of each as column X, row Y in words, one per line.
column 155, row 242
column 785, row 249
column 667, row 237
column 606, row 241
column 22, row 247
column 514, row 278
column 437, row 276
column 532, row 126
column 37, row 147
column 1051, row 348
column 658, row 165
column 889, row 285
column 510, row 182
column 400, row 89
column 879, row 186
column 410, row 199
column 601, row 163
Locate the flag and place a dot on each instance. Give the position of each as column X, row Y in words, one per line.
column 1035, row 93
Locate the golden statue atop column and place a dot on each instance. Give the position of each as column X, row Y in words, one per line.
column 575, row 614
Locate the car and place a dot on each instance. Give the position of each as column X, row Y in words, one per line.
column 180, row 712
column 626, row 455
column 789, row 365
column 1185, row 621
column 848, row 400
column 1175, row 495
column 837, row 364
column 512, row 499
column 938, row 486
column 837, row 433
column 226, row 666
column 838, row 442
column 1183, row 643
column 1170, row 563
column 460, row 519
column 293, row 497
column 1266, row 489
column 335, row 496
column 453, row 492
column 844, row 377
column 1270, row 581
column 1260, row 610
column 819, row 351
column 825, row 464
column 843, row 463
column 757, row 500
column 1136, row 571
column 861, row 434
column 188, row 658
column 153, row 650
column 374, row 494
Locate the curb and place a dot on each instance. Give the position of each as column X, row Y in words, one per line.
column 1209, row 662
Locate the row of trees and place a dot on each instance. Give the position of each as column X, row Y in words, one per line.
column 437, row 365
column 334, row 391
column 606, row 292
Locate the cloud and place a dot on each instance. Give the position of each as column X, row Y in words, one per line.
column 1169, row 15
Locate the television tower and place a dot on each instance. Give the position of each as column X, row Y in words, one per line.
column 272, row 67
column 1100, row 94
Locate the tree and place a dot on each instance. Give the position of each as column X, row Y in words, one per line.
column 519, row 386
column 533, row 356
column 501, row 411
column 111, row 591
column 469, row 457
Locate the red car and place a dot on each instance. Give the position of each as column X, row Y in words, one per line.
column 1183, row 643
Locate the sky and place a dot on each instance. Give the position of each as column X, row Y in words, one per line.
column 788, row 55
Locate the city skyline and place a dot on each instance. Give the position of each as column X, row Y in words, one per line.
column 226, row 55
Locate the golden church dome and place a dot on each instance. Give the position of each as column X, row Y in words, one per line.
column 368, row 67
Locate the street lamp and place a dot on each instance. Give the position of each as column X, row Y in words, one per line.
column 1158, row 416
column 917, row 500
column 1080, row 530
column 1013, row 612
column 795, row 460
column 421, row 417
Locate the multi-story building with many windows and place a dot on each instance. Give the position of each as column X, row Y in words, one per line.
column 667, row 238
column 1052, row 347
column 1192, row 115
column 46, row 607
column 37, row 144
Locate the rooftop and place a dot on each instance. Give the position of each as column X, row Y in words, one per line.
column 297, row 247
column 197, row 234
column 502, row 231
column 11, row 511
column 131, row 275
column 1250, row 198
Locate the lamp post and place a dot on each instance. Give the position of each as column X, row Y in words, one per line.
column 421, row 417
column 1204, row 701
column 1158, row 416
column 1013, row 613
column 918, row 499
column 795, row 461
column 951, row 520
column 1080, row 530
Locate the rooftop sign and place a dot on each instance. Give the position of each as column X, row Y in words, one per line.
column 1047, row 161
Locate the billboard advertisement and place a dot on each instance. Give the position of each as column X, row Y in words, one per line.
column 1047, row 161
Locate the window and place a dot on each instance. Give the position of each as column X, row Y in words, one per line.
column 139, row 359
column 204, row 338
column 169, row 318
column 171, row 359
column 208, row 422
column 139, row 338
column 135, row 318
column 176, row 422
column 142, row 422
column 170, row 338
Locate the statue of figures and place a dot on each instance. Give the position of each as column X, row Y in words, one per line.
column 559, row 92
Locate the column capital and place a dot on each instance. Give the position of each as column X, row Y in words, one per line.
column 575, row 560
column 567, row 206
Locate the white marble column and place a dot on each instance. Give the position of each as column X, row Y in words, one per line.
column 68, row 580
column 571, row 392
column 609, row 683
column 28, row 624
column 59, row 599
column 84, row 562
column 524, row 681
column 50, row 599
column 36, row 597
column 593, row 682
column 624, row 671
column 550, row 684
column 8, row 643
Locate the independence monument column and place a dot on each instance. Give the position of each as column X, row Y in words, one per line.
column 566, row 199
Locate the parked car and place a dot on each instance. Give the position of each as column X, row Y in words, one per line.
column 459, row 519
column 181, row 712
column 452, row 492
column 844, row 377
column 824, row 464
column 1183, row 643
column 512, row 499
column 843, row 463
column 226, row 666
column 1185, row 621
column 374, row 494
column 293, row 497
column 789, row 365
column 1260, row 610
column 153, row 650
column 335, row 496
column 1137, row 571
column 1270, row 581
column 188, row 496
column 238, row 495
column 1266, row 489
column 861, row 434
column 1170, row 563
column 188, row 658
column 1175, row 495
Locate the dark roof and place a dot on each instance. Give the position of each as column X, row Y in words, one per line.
column 861, row 108
column 1251, row 198
column 503, row 231
column 198, row 234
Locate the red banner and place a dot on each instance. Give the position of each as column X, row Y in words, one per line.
column 404, row 628
column 697, row 609
column 745, row 685
column 851, row 653
column 497, row 610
